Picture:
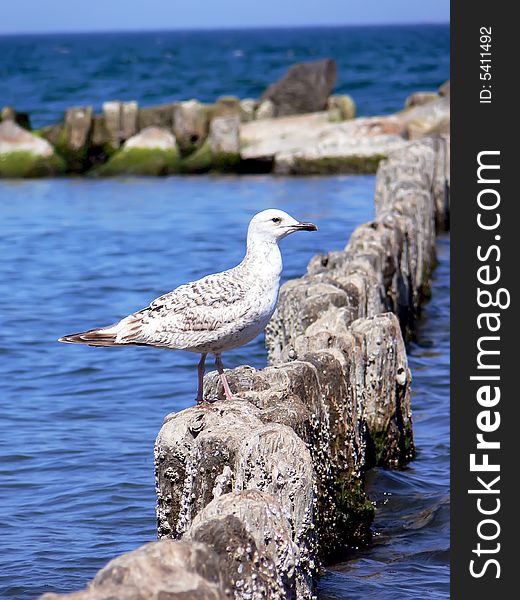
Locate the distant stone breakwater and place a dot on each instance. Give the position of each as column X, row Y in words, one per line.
column 297, row 127
column 255, row 494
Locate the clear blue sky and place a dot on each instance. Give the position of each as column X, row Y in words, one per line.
column 34, row 16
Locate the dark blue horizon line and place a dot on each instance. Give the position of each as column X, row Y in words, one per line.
column 228, row 29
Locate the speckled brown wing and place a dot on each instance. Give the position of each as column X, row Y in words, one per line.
column 193, row 314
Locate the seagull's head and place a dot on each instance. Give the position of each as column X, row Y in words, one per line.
column 273, row 225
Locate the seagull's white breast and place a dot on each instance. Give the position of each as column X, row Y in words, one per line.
column 261, row 278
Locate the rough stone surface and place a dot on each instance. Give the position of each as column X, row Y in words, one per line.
column 308, row 144
column 52, row 133
column 224, row 135
column 341, row 108
column 193, row 449
column 190, row 125
column 78, row 122
column 247, row 109
column 72, row 140
column 20, row 118
column 112, row 117
column 99, row 138
column 265, row 109
column 250, row 530
column 23, row 154
column 128, row 119
column 152, row 138
column 444, row 89
column 120, row 121
column 427, row 119
column 153, row 151
column 225, row 106
column 256, row 442
column 295, row 128
column 420, row 98
column 157, row 116
column 14, row 138
column 164, row 570
column 305, row 88
column 386, row 391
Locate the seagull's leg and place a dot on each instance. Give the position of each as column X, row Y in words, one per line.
column 220, row 369
column 200, row 369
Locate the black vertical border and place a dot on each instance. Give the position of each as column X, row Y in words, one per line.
column 480, row 127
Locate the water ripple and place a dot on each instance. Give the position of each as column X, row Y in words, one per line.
column 410, row 552
column 380, row 66
column 78, row 424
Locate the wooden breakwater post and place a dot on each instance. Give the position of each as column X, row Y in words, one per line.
column 259, row 491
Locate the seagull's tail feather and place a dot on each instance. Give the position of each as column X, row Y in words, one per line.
column 92, row 337
column 127, row 332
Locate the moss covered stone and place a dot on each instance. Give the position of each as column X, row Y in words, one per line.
column 387, row 448
column 336, row 165
column 51, row 133
column 26, row 164
column 199, row 161
column 23, row 154
column 72, row 141
column 355, row 512
column 204, row 160
column 226, row 163
column 102, row 146
column 75, row 158
column 140, row 161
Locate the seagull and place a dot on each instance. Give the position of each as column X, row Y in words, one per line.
column 213, row 314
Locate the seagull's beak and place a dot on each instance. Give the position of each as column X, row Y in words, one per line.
column 305, row 226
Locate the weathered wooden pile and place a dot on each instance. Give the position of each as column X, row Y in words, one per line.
column 258, row 492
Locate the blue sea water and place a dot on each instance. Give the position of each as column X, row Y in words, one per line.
column 78, row 423
column 379, row 66
column 409, row 557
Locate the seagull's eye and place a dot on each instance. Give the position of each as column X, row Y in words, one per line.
column 276, row 220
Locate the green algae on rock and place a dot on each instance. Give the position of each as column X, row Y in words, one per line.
column 153, row 151
column 72, row 140
column 221, row 151
column 246, row 136
column 199, row 161
column 355, row 514
column 140, row 161
column 23, row 164
column 23, row 154
column 205, row 160
column 336, row 165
